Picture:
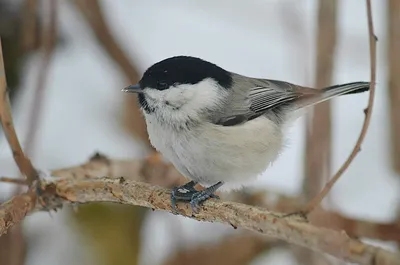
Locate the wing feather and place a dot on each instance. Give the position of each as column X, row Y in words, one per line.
column 256, row 97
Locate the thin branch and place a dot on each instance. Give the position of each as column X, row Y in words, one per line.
column 14, row 180
column 14, row 211
column 48, row 41
column 24, row 164
column 271, row 224
column 368, row 112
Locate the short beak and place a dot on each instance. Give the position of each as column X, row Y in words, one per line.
column 133, row 89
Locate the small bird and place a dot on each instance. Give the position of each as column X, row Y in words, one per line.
column 218, row 128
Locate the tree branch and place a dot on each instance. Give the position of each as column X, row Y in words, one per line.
column 131, row 192
column 158, row 173
column 82, row 185
column 15, row 210
column 24, row 164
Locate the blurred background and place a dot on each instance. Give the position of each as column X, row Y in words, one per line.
column 66, row 62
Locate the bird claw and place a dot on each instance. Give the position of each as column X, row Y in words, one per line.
column 199, row 197
column 189, row 194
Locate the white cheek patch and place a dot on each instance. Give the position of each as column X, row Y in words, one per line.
column 155, row 95
column 207, row 93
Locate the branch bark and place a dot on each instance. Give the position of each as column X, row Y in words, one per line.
column 158, row 173
column 82, row 185
column 272, row 224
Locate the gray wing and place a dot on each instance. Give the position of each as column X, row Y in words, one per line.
column 252, row 98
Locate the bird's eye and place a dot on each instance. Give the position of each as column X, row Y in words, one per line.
column 162, row 85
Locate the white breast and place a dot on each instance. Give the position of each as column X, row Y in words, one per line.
column 211, row 153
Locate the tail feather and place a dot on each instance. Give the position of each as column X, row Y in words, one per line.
column 346, row 89
column 334, row 91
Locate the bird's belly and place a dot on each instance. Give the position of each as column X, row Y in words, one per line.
column 212, row 153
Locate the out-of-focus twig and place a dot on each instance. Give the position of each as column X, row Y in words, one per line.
column 24, row 164
column 368, row 112
column 318, row 152
column 13, row 247
column 14, row 180
column 91, row 10
column 394, row 85
column 48, row 41
column 29, row 25
column 394, row 79
column 232, row 250
column 318, row 138
column 330, row 219
column 294, row 22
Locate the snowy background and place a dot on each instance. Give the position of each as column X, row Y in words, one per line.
column 260, row 38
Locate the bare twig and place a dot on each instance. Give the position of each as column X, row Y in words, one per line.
column 24, row 164
column 130, row 192
column 14, row 180
column 48, row 40
column 372, row 42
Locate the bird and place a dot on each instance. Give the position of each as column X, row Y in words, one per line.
column 220, row 129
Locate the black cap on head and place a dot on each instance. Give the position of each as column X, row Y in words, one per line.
column 183, row 70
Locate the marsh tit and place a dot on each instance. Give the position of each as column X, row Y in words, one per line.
column 218, row 128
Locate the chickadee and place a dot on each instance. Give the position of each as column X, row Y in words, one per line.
column 218, row 128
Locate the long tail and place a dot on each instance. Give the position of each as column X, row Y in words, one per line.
column 333, row 91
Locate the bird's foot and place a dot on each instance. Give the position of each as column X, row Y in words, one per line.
column 188, row 193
